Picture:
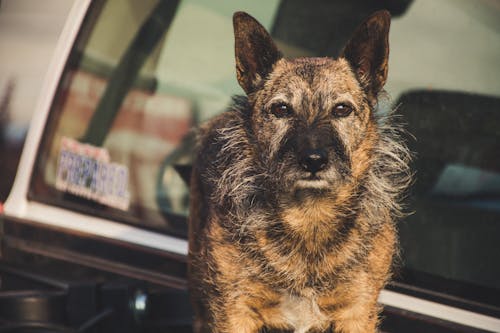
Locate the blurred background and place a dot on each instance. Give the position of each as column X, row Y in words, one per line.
column 29, row 31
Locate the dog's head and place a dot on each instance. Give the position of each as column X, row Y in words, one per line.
column 313, row 117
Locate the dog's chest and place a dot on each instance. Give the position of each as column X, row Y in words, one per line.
column 302, row 313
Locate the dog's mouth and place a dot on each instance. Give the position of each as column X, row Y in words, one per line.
column 312, row 182
column 294, row 179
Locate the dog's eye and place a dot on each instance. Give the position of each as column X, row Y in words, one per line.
column 342, row 110
column 281, row 110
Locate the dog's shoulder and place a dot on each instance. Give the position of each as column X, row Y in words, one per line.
column 220, row 139
column 219, row 145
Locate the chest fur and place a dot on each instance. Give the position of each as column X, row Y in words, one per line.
column 302, row 313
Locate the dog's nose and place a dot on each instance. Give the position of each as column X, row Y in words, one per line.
column 314, row 160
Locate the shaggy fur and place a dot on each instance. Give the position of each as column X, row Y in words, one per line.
column 280, row 242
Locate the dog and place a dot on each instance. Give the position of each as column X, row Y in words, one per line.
column 295, row 190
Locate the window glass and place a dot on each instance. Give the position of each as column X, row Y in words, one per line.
column 444, row 77
column 141, row 75
column 133, row 89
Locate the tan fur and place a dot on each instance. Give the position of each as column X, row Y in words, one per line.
column 275, row 241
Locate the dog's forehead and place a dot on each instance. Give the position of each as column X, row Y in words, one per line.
column 315, row 75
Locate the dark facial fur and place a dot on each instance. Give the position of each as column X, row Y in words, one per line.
column 294, row 190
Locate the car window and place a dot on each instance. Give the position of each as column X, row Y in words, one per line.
column 445, row 85
column 118, row 141
column 119, row 131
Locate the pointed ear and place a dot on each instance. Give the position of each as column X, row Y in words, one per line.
column 255, row 51
column 368, row 52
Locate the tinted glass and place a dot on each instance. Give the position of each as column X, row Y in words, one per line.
column 141, row 75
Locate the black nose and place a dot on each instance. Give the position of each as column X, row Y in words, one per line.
column 314, row 160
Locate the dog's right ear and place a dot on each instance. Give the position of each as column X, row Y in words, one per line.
column 255, row 51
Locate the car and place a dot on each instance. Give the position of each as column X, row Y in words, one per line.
column 94, row 228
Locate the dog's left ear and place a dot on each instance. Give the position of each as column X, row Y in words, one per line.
column 255, row 51
column 368, row 52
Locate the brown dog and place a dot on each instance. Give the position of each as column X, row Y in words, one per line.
column 295, row 189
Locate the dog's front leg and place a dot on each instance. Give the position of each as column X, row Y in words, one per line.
column 356, row 321
column 352, row 311
column 254, row 309
column 236, row 318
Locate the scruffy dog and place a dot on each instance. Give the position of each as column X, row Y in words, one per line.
column 295, row 190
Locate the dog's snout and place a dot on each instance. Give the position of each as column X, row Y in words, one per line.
column 314, row 160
